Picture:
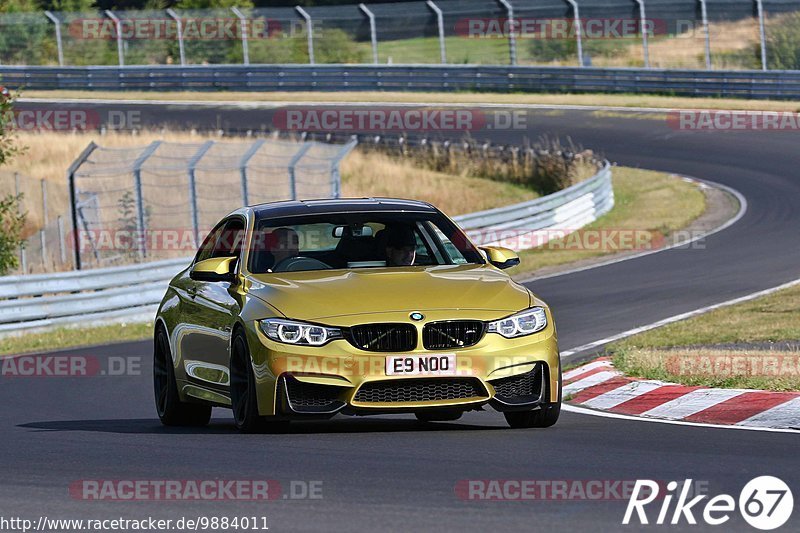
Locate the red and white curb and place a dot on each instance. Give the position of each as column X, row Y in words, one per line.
column 598, row 385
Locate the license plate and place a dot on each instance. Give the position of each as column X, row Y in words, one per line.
column 416, row 365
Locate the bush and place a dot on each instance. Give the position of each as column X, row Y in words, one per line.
column 11, row 223
column 783, row 43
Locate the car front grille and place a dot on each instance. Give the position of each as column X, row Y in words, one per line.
column 384, row 337
column 521, row 388
column 419, row 390
column 311, row 394
column 451, row 334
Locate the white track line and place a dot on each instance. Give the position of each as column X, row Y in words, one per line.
column 583, row 411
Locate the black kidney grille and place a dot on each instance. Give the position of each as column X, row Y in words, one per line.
column 451, row 334
column 384, row 337
column 526, row 386
column 419, row 390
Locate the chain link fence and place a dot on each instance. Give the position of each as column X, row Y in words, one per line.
column 158, row 201
column 724, row 34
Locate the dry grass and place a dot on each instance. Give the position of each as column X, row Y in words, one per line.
column 653, row 203
column 377, row 174
column 48, row 156
column 739, row 369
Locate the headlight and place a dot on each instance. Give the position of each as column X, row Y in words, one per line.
column 523, row 323
column 299, row 333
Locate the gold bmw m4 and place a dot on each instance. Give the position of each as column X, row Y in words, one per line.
column 307, row 309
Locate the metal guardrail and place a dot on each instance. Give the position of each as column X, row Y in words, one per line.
column 35, row 302
column 774, row 84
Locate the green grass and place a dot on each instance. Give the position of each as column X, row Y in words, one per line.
column 772, row 318
column 74, row 337
column 653, row 203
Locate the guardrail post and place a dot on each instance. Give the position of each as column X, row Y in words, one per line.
column 141, row 223
column 44, row 201
column 293, row 165
column 704, row 16
column 193, row 186
column 245, row 46
column 73, row 200
column 373, row 35
column 336, row 176
column 310, row 30
column 179, row 27
column 120, row 44
column 59, row 44
column 762, row 34
column 243, row 168
column 512, row 32
column 643, row 29
column 440, row 24
column 578, row 29
column 42, row 236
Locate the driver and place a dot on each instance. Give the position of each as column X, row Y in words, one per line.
column 401, row 246
column 283, row 244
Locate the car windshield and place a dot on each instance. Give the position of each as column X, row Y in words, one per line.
column 357, row 240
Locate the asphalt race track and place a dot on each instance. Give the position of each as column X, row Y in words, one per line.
column 390, row 473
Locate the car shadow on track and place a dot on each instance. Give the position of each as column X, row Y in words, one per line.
column 223, row 426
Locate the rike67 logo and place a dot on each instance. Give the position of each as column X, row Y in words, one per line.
column 765, row 503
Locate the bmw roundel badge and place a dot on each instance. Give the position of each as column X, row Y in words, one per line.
column 416, row 315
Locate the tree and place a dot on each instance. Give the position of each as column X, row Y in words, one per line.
column 11, row 220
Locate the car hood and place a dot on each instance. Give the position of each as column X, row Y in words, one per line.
column 322, row 294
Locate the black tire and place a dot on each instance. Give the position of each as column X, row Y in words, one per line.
column 244, row 400
column 171, row 410
column 543, row 417
column 440, row 416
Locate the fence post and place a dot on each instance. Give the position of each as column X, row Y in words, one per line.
column 73, row 200
column 440, row 24
column 336, row 177
column 243, row 26
column 762, row 34
column 643, row 29
column 141, row 223
column 44, row 201
column 120, row 45
column 193, row 186
column 310, row 30
column 23, row 256
column 704, row 15
column 243, row 168
column 578, row 30
column 179, row 27
column 512, row 34
column 60, row 46
column 61, row 248
column 373, row 35
column 292, row 165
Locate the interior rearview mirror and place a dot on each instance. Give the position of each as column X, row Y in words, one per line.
column 214, row 269
column 501, row 257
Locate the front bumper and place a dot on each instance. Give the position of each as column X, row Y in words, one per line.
column 506, row 374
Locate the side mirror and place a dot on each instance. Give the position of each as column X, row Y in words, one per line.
column 214, row 269
column 501, row 257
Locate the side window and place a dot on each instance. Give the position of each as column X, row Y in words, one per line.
column 229, row 241
column 224, row 241
column 207, row 248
